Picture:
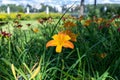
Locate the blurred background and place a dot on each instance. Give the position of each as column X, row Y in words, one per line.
column 36, row 6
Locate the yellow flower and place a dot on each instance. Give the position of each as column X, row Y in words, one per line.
column 103, row 55
column 60, row 40
column 99, row 20
column 87, row 22
column 71, row 34
column 69, row 24
column 114, row 24
column 35, row 30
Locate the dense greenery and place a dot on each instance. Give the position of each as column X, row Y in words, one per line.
column 30, row 45
column 111, row 10
column 23, row 52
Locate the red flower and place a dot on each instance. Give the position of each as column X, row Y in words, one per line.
column 16, row 22
column 100, row 27
column 5, row 34
column 28, row 24
column 19, row 26
column 118, row 29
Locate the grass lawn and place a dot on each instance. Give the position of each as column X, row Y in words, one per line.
column 10, row 25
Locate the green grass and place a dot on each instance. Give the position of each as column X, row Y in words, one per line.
column 26, row 49
column 34, row 23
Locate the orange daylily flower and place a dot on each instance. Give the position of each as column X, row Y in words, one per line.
column 115, row 23
column 99, row 20
column 71, row 34
column 64, row 18
column 41, row 21
column 80, row 18
column 60, row 40
column 35, row 30
column 87, row 22
column 103, row 55
column 69, row 24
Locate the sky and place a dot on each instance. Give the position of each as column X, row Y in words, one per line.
column 56, row 2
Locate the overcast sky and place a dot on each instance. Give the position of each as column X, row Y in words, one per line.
column 60, row 2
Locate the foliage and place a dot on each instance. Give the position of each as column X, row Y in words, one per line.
column 99, row 11
column 95, row 55
column 33, row 16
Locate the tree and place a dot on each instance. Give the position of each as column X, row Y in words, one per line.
column 3, row 8
column 81, row 8
column 95, row 2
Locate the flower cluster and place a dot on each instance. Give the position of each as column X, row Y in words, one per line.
column 72, row 35
column 86, row 22
column 64, row 38
column 69, row 24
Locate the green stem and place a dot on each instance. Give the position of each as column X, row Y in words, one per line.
column 60, row 19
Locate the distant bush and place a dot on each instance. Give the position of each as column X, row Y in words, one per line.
column 3, row 17
column 32, row 16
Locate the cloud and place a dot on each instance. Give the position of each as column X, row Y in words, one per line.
column 56, row 2
column 115, row 0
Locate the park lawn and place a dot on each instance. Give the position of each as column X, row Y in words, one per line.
column 10, row 25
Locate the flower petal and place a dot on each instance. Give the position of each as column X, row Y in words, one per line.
column 68, row 44
column 58, row 48
column 51, row 43
column 55, row 37
column 66, row 38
